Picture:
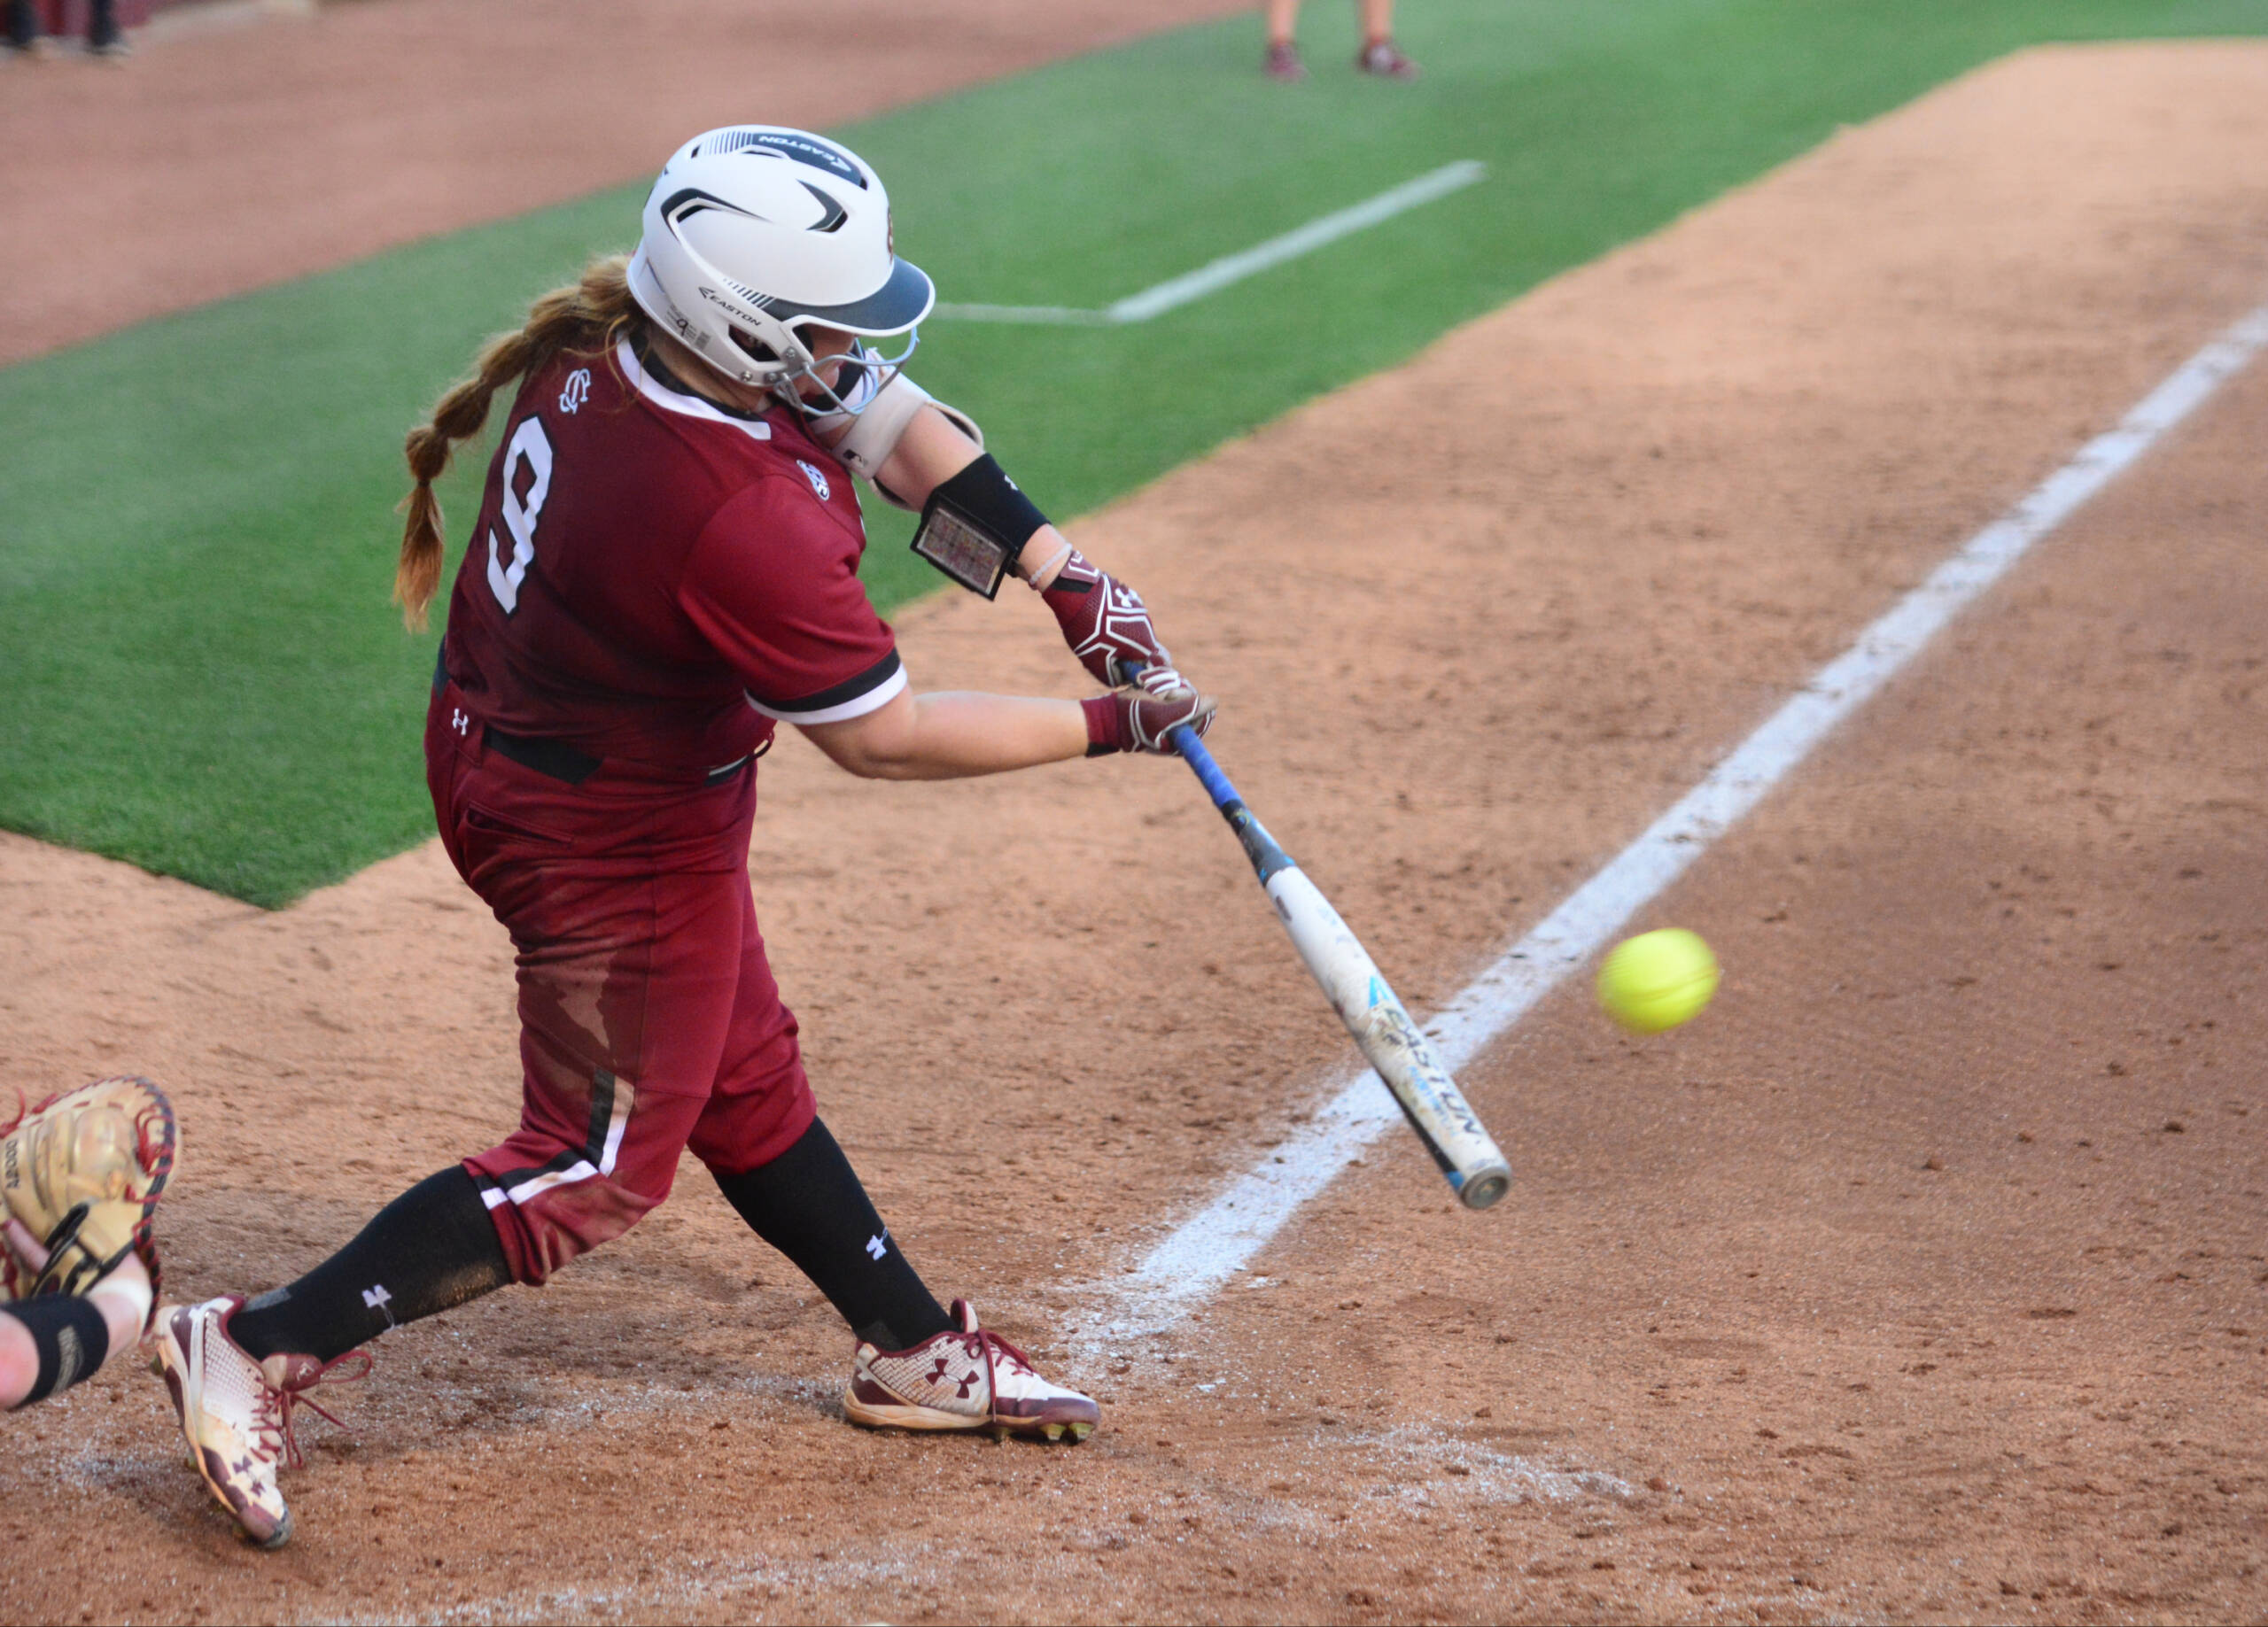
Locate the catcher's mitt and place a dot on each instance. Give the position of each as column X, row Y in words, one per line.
column 83, row 1171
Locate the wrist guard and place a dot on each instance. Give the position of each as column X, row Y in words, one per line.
column 976, row 524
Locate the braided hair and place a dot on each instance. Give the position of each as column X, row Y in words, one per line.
column 583, row 319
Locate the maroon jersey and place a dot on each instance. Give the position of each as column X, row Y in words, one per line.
column 656, row 579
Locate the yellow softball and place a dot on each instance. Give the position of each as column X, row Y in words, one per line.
column 1657, row 980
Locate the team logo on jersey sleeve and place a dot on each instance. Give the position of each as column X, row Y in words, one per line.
column 577, row 392
column 817, row 480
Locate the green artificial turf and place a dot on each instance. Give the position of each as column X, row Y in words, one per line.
column 203, row 674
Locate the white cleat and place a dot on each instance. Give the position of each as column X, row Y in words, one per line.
column 968, row 1379
column 236, row 1412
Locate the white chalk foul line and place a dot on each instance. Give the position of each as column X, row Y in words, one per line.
column 1205, row 1251
column 1229, row 268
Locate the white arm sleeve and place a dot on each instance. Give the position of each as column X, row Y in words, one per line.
column 874, row 434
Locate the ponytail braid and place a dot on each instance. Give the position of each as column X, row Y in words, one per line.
column 583, row 319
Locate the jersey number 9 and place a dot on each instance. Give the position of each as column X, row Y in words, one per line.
column 520, row 513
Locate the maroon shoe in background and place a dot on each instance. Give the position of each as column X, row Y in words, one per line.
column 1380, row 58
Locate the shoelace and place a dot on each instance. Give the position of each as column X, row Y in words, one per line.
column 989, row 1347
column 1009, row 1350
column 281, row 1402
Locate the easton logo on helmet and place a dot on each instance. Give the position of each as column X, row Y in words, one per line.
column 759, row 302
column 789, row 143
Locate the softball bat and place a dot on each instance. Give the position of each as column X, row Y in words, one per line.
column 1373, row 1013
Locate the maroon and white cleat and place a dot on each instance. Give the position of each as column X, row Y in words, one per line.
column 1380, row 58
column 1284, row 64
column 966, row 1379
column 236, row 1412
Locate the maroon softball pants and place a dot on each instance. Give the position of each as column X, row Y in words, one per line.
column 649, row 1021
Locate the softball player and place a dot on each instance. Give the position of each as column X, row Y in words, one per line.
column 663, row 569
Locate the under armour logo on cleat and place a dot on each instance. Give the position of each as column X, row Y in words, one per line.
column 878, row 1246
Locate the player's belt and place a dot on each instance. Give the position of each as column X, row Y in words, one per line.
column 554, row 758
column 560, row 761
column 557, row 759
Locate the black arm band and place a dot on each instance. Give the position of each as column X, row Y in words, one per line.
column 72, row 1339
column 976, row 524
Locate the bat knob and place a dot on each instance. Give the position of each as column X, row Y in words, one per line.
column 1485, row 1187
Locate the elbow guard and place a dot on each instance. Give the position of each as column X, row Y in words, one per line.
column 875, row 433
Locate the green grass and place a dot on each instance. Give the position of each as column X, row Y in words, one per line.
column 203, row 674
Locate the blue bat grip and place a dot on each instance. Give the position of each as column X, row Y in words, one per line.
column 1193, row 753
column 1267, row 857
column 1200, row 761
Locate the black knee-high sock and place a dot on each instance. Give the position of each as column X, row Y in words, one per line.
column 71, row 1337
column 809, row 1205
column 432, row 1248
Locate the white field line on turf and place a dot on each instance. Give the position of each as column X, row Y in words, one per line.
column 1205, row 1251
column 1212, row 278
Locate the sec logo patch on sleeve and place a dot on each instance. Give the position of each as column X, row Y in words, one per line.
column 818, row 479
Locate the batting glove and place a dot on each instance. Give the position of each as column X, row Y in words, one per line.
column 1133, row 719
column 1109, row 629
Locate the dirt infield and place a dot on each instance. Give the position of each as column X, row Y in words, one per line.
column 1922, row 1278
column 230, row 159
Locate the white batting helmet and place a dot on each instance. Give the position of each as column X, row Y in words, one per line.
column 754, row 232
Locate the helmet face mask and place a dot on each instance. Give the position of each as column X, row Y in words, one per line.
column 755, row 233
column 859, row 373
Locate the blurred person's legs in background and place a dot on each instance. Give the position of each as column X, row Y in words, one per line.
column 103, row 35
column 23, row 25
column 1378, row 56
column 1283, row 56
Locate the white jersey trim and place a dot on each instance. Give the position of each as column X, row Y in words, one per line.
column 858, row 706
column 675, row 401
